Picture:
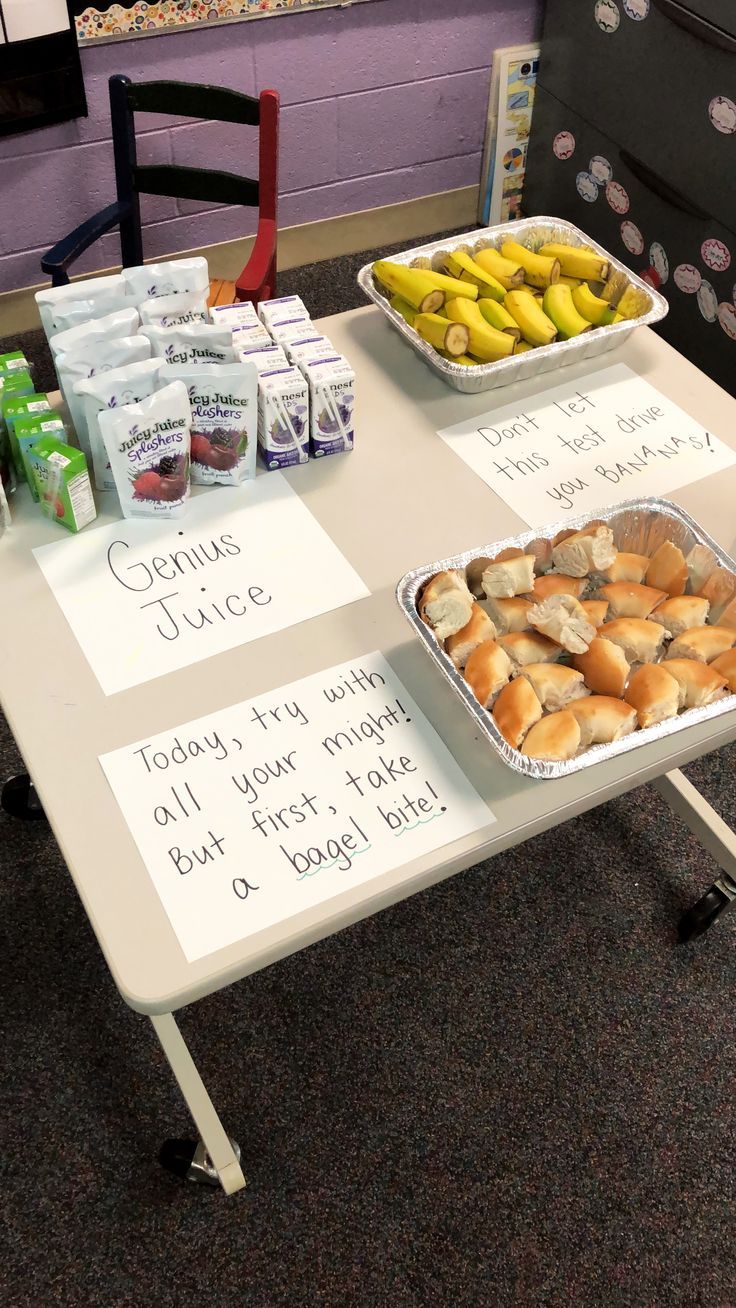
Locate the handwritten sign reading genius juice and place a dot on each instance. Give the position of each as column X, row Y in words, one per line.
column 249, row 816
column 145, row 598
column 586, row 444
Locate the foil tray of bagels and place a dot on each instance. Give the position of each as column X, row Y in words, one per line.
column 586, row 640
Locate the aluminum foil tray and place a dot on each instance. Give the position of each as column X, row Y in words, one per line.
column 639, row 526
column 531, row 232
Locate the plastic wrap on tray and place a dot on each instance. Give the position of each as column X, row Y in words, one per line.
column 532, row 233
column 639, row 527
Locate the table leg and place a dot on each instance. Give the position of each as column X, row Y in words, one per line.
column 714, row 835
column 218, row 1146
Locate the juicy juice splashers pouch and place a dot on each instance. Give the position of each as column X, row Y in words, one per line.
column 170, row 278
column 64, row 307
column 224, row 403
column 111, row 390
column 148, row 447
column 175, row 310
column 193, row 344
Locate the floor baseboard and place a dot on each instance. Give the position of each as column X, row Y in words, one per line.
column 303, row 244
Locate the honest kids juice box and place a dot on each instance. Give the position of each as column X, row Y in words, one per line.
column 62, row 483
column 331, row 400
column 283, row 418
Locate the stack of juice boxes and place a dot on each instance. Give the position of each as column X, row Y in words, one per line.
column 306, row 388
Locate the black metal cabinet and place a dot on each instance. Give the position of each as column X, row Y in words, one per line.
column 634, row 139
column 667, row 93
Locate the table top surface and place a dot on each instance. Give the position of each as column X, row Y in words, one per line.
column 399, row 500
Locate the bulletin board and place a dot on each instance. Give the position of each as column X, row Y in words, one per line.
column 123, row 21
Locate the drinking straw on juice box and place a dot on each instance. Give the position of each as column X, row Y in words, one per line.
column 62, row 483
column 29, row 430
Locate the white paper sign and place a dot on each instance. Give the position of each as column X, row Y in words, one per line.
column 586, row 444
column 259, row 811
column 145, row 598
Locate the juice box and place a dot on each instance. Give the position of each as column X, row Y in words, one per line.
column 249, row 336
column 309, row 347
column 266, row 360
column 331, row 399
column 31, row 429
column 62, row 482
column 285, row 306
column 16, row 407
column 235, row 315
column 15, row 361
column 283, row 418
column 284, row 330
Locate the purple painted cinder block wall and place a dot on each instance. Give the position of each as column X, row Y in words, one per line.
column 381, row 102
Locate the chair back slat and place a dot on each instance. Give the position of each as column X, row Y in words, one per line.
column 207, row 184
column 194, row 101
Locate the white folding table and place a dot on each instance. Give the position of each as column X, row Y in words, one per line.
column 401, row 498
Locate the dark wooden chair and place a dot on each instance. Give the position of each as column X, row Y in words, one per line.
column 258, row 279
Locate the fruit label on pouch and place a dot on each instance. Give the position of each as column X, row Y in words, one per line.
column 144, row 598
column 254, row 814
column 587, row 444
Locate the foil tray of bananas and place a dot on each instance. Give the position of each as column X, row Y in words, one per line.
column 534, row 343
column 640, row 526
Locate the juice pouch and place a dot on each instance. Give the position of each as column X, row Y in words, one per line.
column 30, row 430
column 98, row 354
column 123, row 322
column 193, row 344
column 170, row 278
column 96, row 295
column 148, row 447
column 111, row 390
column 224, row 402
column 62, row 483
column 21, row 406
column 175, row 310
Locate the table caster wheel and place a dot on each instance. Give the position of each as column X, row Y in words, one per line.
column 18, row 797
column 703, row 914
column 189, row 1160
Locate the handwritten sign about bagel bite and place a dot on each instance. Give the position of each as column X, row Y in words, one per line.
column 260, row 811
column 585, row 444
column 145, row 598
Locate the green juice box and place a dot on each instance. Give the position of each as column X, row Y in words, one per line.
column 62, row 483
column 14, row 362
column 31, row 429
column 16, row 407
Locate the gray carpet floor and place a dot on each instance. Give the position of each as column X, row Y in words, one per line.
column 512, row 1091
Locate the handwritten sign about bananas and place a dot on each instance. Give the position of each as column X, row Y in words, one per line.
column 260, row 811
column 144, row 598
column 587, row 444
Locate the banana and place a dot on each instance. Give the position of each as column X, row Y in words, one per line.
column 500, row 318
column 611, row 315
column 633, row 302
column 558, row 305
column 539, row 269
column 452, row 286
column 536, row 327
column 485, row 342
column 590, row 306
column 464, row 359
column 506, row 271
column 572, row 282
column 521, row 347
column 452, row 337
column 614, row 288
column 575, row 261
column 411, row 284
column 404, row 308
column 461, row 265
